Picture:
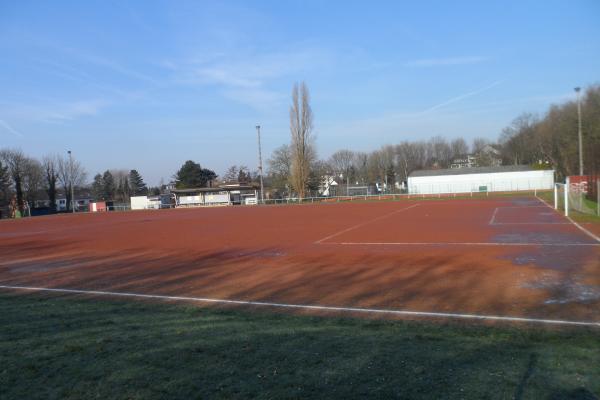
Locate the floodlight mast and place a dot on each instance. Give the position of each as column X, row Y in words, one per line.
column 577, row 90
column 260, row 166
column 71, row 181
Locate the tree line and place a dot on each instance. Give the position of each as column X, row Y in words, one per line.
column 547, row 141
column 26, row 181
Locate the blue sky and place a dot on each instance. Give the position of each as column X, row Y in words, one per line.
column 148, row 85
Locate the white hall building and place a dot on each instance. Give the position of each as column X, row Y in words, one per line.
column 480, row 179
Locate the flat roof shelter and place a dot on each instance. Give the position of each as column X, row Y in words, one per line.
column 480, row 179
column 227, row 194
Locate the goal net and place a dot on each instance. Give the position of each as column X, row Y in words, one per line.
column 358, row 190
column 573, row 198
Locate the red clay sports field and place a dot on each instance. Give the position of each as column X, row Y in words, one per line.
column 507, row 257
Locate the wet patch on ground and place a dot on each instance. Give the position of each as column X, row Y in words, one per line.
column 556, row 238
column 525, row 202
column 564, row 291
column 558, row 258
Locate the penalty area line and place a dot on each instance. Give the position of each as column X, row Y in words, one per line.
column 365, row 223
column 426, row 314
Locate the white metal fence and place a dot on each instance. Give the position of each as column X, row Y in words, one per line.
column 397, row 196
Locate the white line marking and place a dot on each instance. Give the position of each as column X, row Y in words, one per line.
column 493, row 216
column 531, row 223
column 459, row 244
column 581, row 228
column 521, row 206
column 311, row 307
column 365, row 223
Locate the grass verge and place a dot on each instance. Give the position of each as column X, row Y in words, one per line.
column 68, row 347
column 575, row 215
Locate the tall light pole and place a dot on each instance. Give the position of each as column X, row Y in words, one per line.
column 577, row 90
column 71, row 181
column 260, row 167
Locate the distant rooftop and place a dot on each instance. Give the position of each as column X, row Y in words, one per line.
column 473, row 170
column 220, row 188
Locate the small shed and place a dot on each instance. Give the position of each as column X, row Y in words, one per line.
column 229, row 194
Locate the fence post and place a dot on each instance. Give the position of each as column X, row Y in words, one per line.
column 555, row 196
column 567, row 197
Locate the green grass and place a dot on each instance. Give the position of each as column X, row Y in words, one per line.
column 575, row 215
column 66, row 347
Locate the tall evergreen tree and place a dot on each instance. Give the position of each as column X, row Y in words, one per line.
column 192, row 175
column 136, row 184
column 98, row 187
column 108, row 184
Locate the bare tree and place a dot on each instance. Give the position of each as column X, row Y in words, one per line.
column 411, row 156
column 4, row 188
column 479, row 144
column 231, row 174
column 459, row 148
column 440, row 152
column 70, row 175
column 16, row 161
column 301, row 125
column 361, row 166
column 280, row 166
column 121, row 181
column 33, row 180
column 50, row 165
column 342, row 162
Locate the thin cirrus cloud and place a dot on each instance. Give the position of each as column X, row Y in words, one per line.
column 10, row 129
column 461, row 97
column 440, row 62
column 55, row 112
column 252, row 83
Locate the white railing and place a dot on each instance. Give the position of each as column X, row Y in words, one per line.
column 398, row 196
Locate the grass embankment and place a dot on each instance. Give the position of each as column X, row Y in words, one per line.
column 575, row 215
column 67, row 347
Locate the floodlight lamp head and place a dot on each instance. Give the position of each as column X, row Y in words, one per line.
column 577, row 89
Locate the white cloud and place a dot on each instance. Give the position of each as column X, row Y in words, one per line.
column 248, row 78
column 52, row 112
column 437, row 62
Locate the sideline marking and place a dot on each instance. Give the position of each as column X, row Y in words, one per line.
column 531, row 223
column 493, row 216
column 461, row 244
column 581, row 228
column 312, row 307
column 365, row 223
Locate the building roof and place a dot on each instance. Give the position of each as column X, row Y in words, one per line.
column 473, row 170
column 224, row 188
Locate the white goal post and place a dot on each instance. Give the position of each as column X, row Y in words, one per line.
column 561, row 197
